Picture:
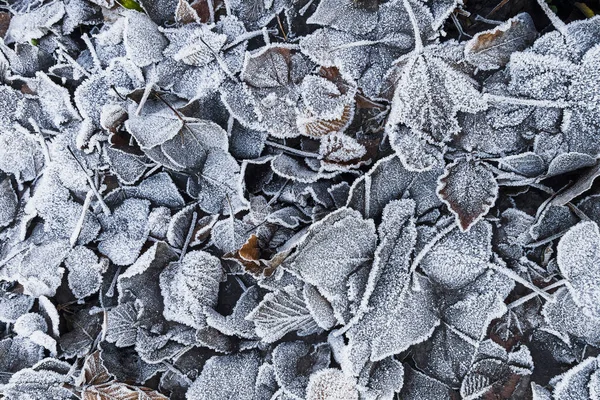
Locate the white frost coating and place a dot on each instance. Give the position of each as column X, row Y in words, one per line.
column 282, row 312
column 578, row 260
column 331, row 384
column 143, row 42
column 189, row 286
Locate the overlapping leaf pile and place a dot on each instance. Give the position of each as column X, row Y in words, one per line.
column 296, row 199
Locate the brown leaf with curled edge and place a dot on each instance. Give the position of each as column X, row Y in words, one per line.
column 97, row 384
column 93, row 371
column 250, row 251
column 249, row 256
column 185, row 13
column 492, row 49
column 469, row 189
column 317, row 127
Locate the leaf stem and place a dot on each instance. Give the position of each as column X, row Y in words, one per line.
column 291, row 150
column 517, row 278
column 530, row 296
column 499, row 99
column 557, row 22
column 415, row 26
column 81, row 220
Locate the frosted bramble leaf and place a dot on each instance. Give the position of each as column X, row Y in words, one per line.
column 492, row 49
column 79, row 341
column 179, row 226
column 552, row 221
column 85, row 271
column 326, row 108
column 28, row 323
column 35, row 24
column 527, row 164
column 387, row 180
column 20, row 155
column 472, row 310
column 333, row 384
column 44, row 380
column 40, row 272
column 226, row 377
column 190, row 285
column 566, row 318
column 8, row 203
column 458, row 258
column 256, row 13
column 469, row 189
column 294, row 362
column 578, row 255
column 55, row 100
column 125, row 231
column 327, row 264
column 582, row 120
column 281, row 312
column 430, row 93
column 143, row 42
column 150, row 130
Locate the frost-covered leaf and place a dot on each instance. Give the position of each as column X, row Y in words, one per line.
column 469, row 189
column 141, row 281
column 430, row 93
column 217, row 185
column 393, row 315
column 226, row 377
column 121, row 324
column 578, row 256
column 492, row 49
column 413, row 150
column 573, row 384
column 85, row 271
column 143, row 42
column 345, row 15
column 564, row 316
column 125, row 231
column 387, row 180
column 18, row 353
column 236, row 323
column 295, row 362
column 190, row 285
column 20, row 155
column 8, row 203
column 44, row 380
column 418, row 385
column 331, row 383
column 458, row 258
column 35, row 24
column 127, row 166
column 281, row 312
column 327, row 263
column 40, row 272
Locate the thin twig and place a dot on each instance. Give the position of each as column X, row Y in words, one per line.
column 291, row 150
column 79, row 226
column 103, row 205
